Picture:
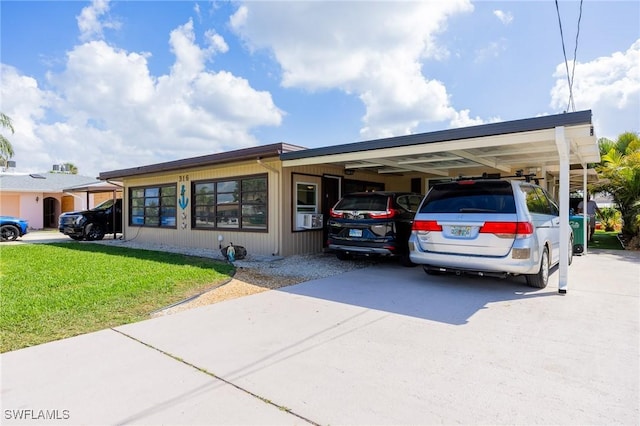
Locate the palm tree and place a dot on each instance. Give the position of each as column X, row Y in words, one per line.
column 71, row 168
column 6, row 149
column 619, row 174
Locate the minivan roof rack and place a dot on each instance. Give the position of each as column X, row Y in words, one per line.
column 519, row 174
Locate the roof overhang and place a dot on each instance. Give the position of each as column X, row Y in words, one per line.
column 95, row 187
column 505, row 147
column 264, row 151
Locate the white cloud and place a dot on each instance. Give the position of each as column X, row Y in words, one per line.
column 493, row 50
column 374, row 50
column 216, row 42
column 26, row 103
column 609, row 86
column 109, row 112
column 504, row 17
column 92, row 21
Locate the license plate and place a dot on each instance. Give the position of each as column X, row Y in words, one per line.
column 355, row 233
column 460, row 231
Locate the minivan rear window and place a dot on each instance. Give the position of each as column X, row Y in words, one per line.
column 470, row 197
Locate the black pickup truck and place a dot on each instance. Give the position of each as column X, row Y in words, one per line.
column 92, row 224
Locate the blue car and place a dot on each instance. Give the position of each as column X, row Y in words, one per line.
column 12, row 227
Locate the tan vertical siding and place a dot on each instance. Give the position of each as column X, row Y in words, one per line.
column 260, row 242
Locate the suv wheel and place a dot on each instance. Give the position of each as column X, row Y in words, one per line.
column 540, row 279
column 405, row 260
column 343, row 255
column 93, row 232
column 9, row 233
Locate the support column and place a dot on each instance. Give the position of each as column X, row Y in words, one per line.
column 563, row 154
column 585, row 218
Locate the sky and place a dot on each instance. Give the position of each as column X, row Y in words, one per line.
column 109, row 85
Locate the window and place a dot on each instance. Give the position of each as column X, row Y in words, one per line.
column 477, row 197
column 409, row 202
column 153, row 206
column 230, row 204
column 538, row 201
column 306, row 202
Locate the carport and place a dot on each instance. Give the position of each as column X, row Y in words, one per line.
column 557, row 148
column 95, row 188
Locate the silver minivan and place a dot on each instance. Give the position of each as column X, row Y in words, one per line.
column 492, row 227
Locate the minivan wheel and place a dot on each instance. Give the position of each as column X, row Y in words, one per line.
column 431, row 271
column 540, row 279
column 93, row 232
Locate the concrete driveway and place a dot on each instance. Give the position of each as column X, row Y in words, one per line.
column 381, row 345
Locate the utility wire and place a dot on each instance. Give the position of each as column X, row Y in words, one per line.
column 575, row 55
column 570, row 76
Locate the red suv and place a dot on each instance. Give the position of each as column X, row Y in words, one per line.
column 373, row 223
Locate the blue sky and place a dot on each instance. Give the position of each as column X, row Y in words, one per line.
column 111, row 85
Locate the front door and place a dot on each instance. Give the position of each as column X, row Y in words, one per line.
column 331, row 186
column 50, row 219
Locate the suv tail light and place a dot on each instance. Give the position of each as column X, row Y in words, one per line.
column 388, row 214
column 336, row 214
column 426, row 225
column 508, row 229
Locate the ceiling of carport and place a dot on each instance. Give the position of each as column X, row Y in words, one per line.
column 528, row 145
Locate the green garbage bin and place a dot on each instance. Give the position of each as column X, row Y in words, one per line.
column 577, row 224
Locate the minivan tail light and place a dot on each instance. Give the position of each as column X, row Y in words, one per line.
column 508, row 229
column 426, row 226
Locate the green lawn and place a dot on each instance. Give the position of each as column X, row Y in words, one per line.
column 52, row 291
column 605, row 240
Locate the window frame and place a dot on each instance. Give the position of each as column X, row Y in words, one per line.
column 242, row 204
column 162, row 199
column 300, row 209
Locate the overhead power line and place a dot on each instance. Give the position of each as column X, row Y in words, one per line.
column 570, row 76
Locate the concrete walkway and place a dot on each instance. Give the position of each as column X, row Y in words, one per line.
column 381, row 345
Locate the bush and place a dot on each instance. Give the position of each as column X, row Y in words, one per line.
column 610, row 218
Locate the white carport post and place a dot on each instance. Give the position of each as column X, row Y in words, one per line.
column 563, row 154
column 585, row 217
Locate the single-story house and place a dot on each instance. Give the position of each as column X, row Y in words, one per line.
column 274, row 199
column 40, row 198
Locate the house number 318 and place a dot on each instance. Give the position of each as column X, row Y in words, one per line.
column 183, row 178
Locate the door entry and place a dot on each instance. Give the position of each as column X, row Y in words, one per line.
column 331, row 193
column 50, row 218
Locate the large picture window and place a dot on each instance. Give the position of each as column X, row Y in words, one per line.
column 230, row 204
column 153, row 206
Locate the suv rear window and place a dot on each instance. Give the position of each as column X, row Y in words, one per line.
column 368, row 202
column 470, row 197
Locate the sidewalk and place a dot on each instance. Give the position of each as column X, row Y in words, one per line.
column 380, row 345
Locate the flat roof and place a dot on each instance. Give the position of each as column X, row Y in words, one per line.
column 264, row 151
column 504, row 147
